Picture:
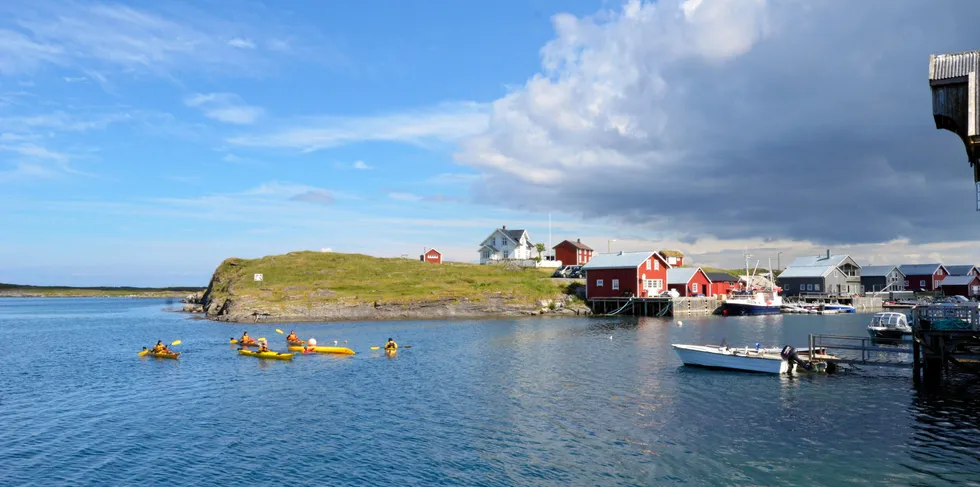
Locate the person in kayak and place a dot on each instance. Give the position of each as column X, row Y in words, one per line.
column 263, row 346
column 310, row 346
column 245, row 338
column 292, row 337
column 159, row 347
column 391, row 345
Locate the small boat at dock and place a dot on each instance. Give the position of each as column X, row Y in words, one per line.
column 786, row 360
column 840, row 308
column 889, row 325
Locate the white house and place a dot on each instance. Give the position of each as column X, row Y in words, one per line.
column 504, row 245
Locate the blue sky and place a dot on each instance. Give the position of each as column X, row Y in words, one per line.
column 143, row 142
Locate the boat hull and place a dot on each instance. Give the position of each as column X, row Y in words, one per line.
column 888, row 334
column 743, row 309
column 712, row 357
column 840, row 308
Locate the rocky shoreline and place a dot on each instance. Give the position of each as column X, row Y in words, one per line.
column 244, row 310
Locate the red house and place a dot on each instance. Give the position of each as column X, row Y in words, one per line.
column 923, row 277
column 640, row 274
column 674, row 257
column 432, row 256
column 573, row 253
column 689, row 281
column 968, row 286
column 722, row 283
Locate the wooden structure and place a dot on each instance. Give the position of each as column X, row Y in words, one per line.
column 431, row 256
column 658, row 307
column 722, row 283
column 967, row 286
column 956, row 102
column 945, row 337
column 625, row 274
column 923, row 277
column 689, row 281
column 573, row 253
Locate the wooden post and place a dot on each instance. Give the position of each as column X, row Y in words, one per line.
column 916, row 360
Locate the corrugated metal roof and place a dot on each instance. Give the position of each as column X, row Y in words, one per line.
column 813, row 266
column 877, row 270
column 721, row 277
column 806, row 271
column 945, row 66
column 959, row 270
column 681, row 275
column 919, row 269
column 618, row 260
column 957, row 281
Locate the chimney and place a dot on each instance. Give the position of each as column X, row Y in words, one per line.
column 578, row 240
column 503, row 227
column 828, row 253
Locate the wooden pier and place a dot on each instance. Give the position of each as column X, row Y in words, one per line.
column 813, row 299
column 657, row 307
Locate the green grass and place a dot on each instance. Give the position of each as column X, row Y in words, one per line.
column 68, row 291
column 334, row 277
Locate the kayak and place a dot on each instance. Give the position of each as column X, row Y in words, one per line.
column 272, row 355
column 163, row 355
column 319, row 349
column 253, row 343
column 295, row 343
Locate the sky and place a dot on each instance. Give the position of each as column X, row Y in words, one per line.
column 141, row 143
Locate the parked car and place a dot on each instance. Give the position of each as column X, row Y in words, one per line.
column 576, row 272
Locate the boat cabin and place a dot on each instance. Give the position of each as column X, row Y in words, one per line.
column 889, row 320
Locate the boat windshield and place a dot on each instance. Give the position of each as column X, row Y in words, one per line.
column 890, row 320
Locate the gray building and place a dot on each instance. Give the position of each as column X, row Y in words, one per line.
column 824, row 274
column 876, row 278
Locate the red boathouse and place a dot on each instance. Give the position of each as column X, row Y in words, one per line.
column 641, row 274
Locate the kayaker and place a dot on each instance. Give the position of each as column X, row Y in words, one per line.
column 292, row 337
column 245, row 338
column 391, row 345
column 158, row 347
column 263, row 346
column 310, row 345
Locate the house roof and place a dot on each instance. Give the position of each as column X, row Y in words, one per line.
column 672, row 253
column 681, row 275
column 877, row 270
column 959, row 270
column 957, row 281
column 491, row 247
column 577, row 244
column 813, row 266
column 919, row 269
column 433, row 250
column 618, row 260
column 721, row 277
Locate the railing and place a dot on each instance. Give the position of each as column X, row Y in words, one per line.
column 870, row 353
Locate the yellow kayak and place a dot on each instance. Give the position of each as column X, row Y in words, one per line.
column 272, row 355
column 163, row 355
column 319, row 349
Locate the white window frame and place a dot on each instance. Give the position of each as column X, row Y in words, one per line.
column 816, row 287
column 694, row 287
column 649, row 265
column 922, row 283
column 802, row 287
column 809, row 287
column 598, row 283
column 615, row 284
column 656, row 265
column 658, row 283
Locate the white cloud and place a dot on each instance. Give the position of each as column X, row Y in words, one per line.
column 241, row 43
column 736, row 119
column 361, row 165
column 443, row 123
column 78, row 79
column 224, row 107
column 25, row 170
column 414, row 198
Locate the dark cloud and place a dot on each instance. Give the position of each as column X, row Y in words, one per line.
column 787, row 120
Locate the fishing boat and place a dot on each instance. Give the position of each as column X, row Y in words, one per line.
column 889, row 325
column 786, row 360
column 753, row 300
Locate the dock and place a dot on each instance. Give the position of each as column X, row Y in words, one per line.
column 945, row 340
column 655, row 306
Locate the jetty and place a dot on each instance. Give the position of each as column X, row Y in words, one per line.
column 945, row 340
column 654, row 306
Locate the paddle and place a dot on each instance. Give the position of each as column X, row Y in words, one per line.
column 278, row 331
column 400, row 346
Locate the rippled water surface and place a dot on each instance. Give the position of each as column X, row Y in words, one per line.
column 601, row 401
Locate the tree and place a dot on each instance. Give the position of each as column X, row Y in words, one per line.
column 540, row 247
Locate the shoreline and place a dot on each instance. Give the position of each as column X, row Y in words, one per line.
column 113, row 296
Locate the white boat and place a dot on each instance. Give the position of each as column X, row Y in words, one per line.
column 840, row 308
column 753, row 300
column 765, row 360
column 890, row 326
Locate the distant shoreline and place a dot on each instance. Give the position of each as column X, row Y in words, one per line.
column 23, row 291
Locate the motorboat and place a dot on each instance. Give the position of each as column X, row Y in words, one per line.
column 753, row 299
column 840, row 308
column 889, row 325
column 786, row 360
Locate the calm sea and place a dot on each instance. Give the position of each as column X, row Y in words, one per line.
column 534, row 402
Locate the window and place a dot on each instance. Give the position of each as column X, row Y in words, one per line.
column 802, row 287
column 906, row 283
column 922, row 283
column 506, row 254
column 653, row 284
column 656, row 265
column 809, row 287
column 615, row 284
column 694, row 287
column 816, row 287
column 598, row 283
column 649, row 265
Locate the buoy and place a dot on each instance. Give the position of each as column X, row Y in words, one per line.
column 680, row 323
column 610, row 337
